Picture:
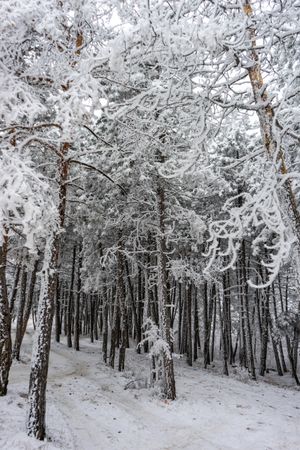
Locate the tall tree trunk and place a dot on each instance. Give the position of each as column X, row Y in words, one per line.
column 77, row 304
column 266, row 115
column 165, row 313
column 196, row 326
column 214, row 320
column 70, row 299
column 92, row 315
column 208, row 303
column 65, row 309
column 243, row 356
column 57, row 310
column 105, row 330
column 189, row 325
column 220, row 295
column 113, row 335
column 122, row 302
column 183, row 347
column 41, row 348
column 5, row 322
column 131, row 297
column 180, row 308
column 251, row 365
column 265, row 333
column 140, row 303
column 227, row 318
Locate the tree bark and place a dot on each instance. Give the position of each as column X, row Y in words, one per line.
column 41, row 348
column 57, row 310
column 21, row 306
column 15, row 288
column 245, row 295
column 196, row 326
column 122, row 302
column 70, row 299
column 265, row 115
column 77, row 305
column 5, row 322
column 222, row 329
column 189, row 325
column 30, row 295
column 165, row 314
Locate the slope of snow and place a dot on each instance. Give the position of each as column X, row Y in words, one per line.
column 88, row 408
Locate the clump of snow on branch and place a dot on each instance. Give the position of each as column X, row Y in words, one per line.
column 26, row 206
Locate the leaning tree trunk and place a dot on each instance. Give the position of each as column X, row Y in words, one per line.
column 165, row 314
column 5, row 322
column 266, row 116
column 41, row 347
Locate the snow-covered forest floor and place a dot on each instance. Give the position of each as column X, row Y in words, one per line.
column 89, row 409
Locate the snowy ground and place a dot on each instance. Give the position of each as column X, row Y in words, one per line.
column 89, row 409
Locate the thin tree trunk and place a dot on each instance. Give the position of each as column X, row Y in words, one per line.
column 5, row 322
column 131, row 296
column 122, row 302
column 247, row 314
column 265, row 334
column 57, row 310
column 77, row 305
column 165, row 314
column 214, row 320
column 222, row 329
column 70, row 299
column 189, row 325
column 113, row 336
column 15, row 288
column 29, row 300
column 21, row 306
column 139, row 310
column 180, row 308
column 92, row 317
column 105, row 331
column 196, row 326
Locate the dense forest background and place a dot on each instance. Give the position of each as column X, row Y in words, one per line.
column 150, row 184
